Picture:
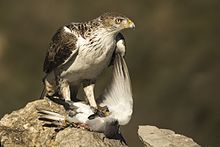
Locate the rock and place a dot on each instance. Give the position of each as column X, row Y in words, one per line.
column 22, row 128
column 152, row 136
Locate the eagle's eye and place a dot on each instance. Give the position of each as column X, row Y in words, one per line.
column 118, row 20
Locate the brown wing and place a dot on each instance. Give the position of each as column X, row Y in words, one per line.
column 61, row 48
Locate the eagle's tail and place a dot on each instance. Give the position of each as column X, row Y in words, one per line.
column 43, row 92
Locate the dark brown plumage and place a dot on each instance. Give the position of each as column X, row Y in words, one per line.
column 60, row 49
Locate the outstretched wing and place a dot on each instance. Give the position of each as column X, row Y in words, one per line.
column 118, row 95
column 61, row 49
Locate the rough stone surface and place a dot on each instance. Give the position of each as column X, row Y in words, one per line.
column 152, row 136
column 22, row 128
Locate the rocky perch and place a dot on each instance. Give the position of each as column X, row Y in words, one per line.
column 152, row 136
column 22, row 128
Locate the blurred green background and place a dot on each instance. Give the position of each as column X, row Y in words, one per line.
column 173, row 56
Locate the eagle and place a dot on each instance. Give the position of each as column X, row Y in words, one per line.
column 79, row 52
column 117, row 97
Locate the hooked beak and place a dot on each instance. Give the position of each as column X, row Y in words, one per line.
column 130, row 24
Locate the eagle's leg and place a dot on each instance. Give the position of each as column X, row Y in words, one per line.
column 64, row 89
column 50, row 85
column 50, row 90
column 88, row 87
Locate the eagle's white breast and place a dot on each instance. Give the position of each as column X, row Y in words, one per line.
column 91, row 59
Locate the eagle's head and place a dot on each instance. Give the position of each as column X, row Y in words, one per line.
column 114, row 22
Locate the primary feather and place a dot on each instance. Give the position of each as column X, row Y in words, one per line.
column 118, row 95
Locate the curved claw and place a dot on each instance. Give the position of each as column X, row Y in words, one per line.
column 99, row 112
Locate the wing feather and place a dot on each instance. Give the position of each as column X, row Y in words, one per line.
column 61, row 48
column 120, row 47
column 118, row 95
